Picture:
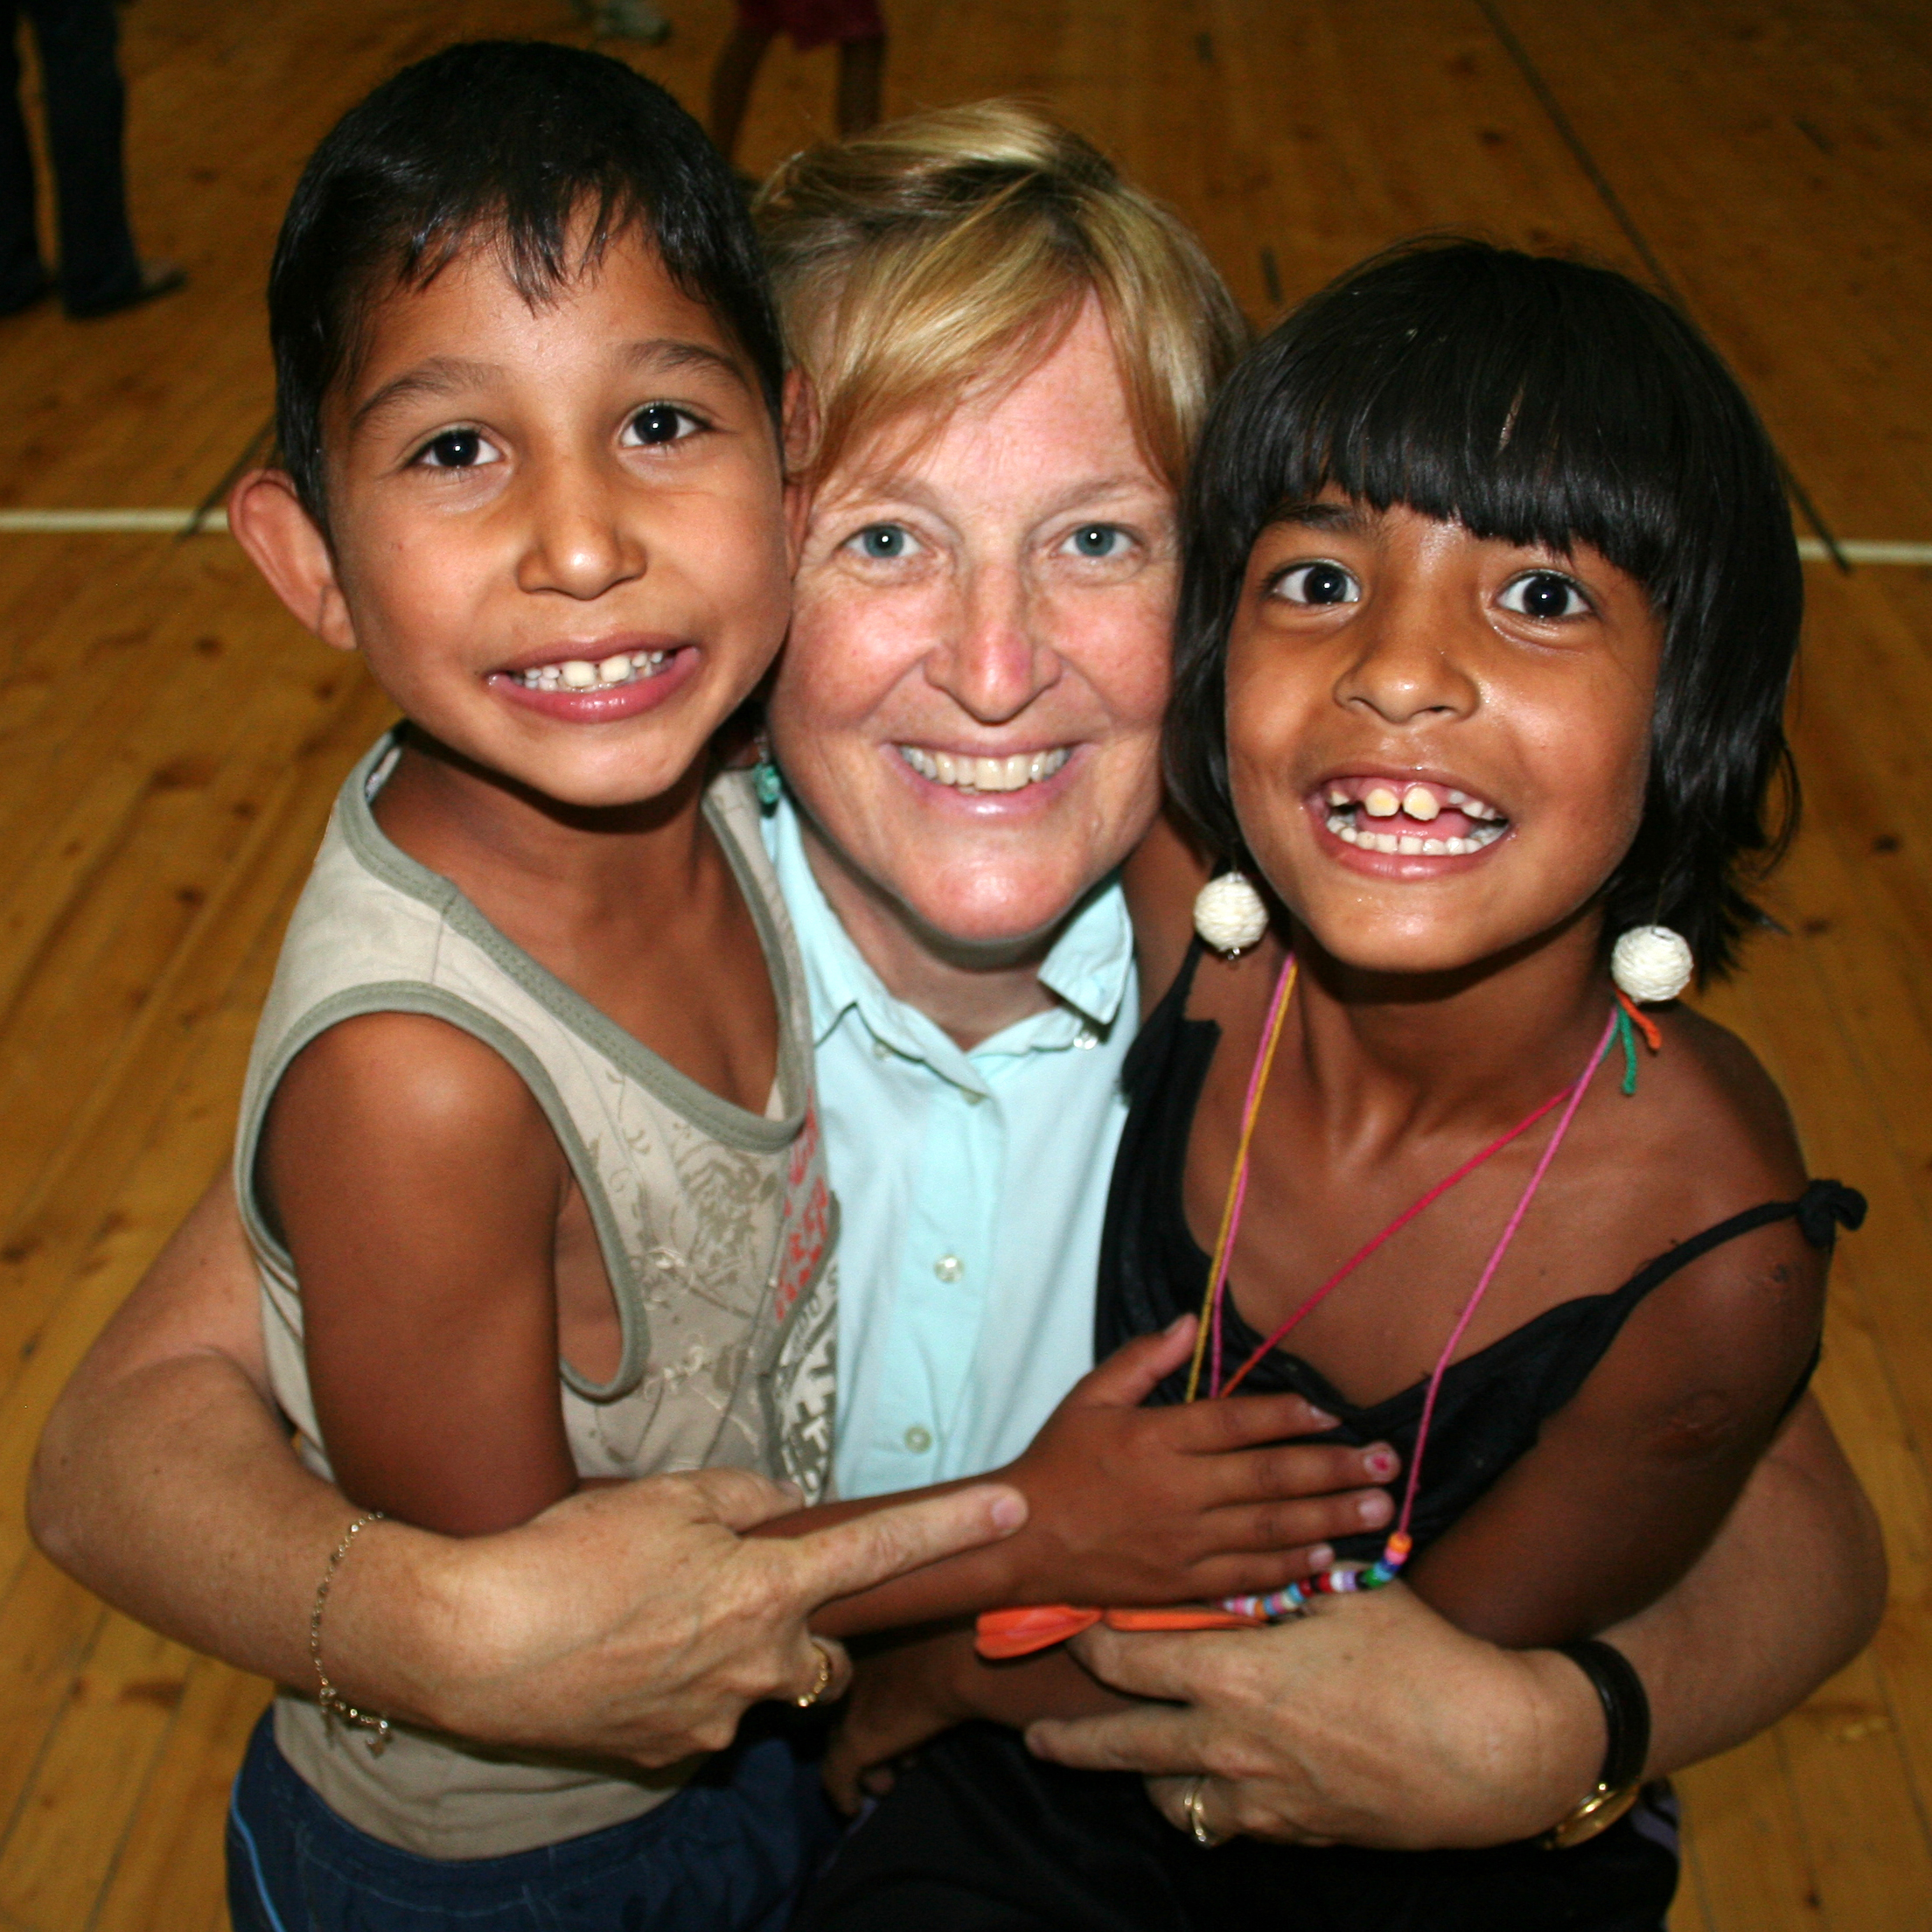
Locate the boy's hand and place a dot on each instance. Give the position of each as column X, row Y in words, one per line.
column 908, row 1691
column 1134, row 1506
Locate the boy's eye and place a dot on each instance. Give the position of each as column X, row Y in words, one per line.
column 458, row 450
column 1095, row 540
column 1545, row 594
column 658, row 423
column 884, row 542
column 1318, row 583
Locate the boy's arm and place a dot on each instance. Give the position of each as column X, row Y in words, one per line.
column 631, row 1622
column 1629, row 1481
column 418, row 1185
column 1133, row 1505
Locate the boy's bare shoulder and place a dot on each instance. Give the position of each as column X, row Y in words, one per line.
column 407, row 1078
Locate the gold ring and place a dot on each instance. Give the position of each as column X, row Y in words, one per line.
column 1191, row 1805
column 817, row 1691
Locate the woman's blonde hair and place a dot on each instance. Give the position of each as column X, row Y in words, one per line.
column 953, row 250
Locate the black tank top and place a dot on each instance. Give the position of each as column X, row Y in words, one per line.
column 1492, row 1403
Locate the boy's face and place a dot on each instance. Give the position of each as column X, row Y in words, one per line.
column 558, row 534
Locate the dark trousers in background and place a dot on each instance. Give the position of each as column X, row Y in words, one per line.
column 85, row 108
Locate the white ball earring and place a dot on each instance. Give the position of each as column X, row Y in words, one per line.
column 1652, row 963
column 1230, row 914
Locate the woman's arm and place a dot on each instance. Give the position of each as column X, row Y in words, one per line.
column 631, row 1621
column 1374, row 1721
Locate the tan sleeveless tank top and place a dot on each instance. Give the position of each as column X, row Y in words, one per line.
column 716, row 1226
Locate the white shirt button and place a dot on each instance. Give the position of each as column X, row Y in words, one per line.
column 1086, row 1038
column 917, row 1439
column 949, row 1268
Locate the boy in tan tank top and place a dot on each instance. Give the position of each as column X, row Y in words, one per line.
column 529, row 1153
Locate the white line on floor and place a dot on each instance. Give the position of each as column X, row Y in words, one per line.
column 175, row 522
column 170, row 522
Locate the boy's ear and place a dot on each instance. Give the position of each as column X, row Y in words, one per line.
column 266, row 519
column 801, row 437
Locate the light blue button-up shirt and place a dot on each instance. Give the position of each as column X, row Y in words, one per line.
column 971, row 1188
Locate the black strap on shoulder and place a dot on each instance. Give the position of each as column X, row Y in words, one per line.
column 1819, row 1211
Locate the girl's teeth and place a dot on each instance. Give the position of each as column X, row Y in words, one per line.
column 578, row 675
column 614, row 670
column 1419, row 803
column 1381, row 803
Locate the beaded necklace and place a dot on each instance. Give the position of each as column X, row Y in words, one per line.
column 1395, row 1553
column 1019, row 1632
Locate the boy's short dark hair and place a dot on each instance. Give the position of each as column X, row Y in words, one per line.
column 507, row 142
column 1537, row 401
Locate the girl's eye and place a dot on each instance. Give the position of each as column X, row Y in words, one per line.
column 1318, row 583
column 458, row 450
column 658, row 423
column 884, row 542
column 1546, row 595
column 1097, row 540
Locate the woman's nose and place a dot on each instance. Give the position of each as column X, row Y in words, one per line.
column 997, row 660
column 1412, row 658
column 580, row 541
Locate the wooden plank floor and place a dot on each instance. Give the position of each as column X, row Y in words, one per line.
column 171, row 741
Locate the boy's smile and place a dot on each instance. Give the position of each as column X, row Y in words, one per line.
column 1438, row 744
column 557, row 531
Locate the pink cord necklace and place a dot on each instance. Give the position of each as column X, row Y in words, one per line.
column 1395, row 1553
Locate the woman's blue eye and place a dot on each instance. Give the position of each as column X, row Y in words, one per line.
column 884, row 540
column 455, row 450
column 658, row 423
column 1545, row 594
column 1319, row 583
column 1097, row 540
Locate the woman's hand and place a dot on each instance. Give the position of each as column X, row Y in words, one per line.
column 906, row 1693
column 1371, row 1721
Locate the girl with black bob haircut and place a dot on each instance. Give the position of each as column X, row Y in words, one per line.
column 1489, row 601
column 1542, row 401
column 514, row 143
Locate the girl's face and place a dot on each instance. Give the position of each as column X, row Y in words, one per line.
column 1438, row 744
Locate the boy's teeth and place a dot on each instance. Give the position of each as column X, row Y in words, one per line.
column 580, row 674
column 1009, row 774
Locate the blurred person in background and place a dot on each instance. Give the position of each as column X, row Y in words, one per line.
column 85, row 103
column 854, row 25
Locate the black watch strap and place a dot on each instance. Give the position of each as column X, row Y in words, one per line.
column 1626, row 1709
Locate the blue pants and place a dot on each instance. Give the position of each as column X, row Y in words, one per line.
column 729, row 1853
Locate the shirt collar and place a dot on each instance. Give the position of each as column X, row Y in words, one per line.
column 1089, row 967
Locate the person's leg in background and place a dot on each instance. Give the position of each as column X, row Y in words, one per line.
column 22, row 281
column 862, row 78
column 86, row 107
column 732, row 77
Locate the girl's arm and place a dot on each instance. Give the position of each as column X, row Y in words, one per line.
column 1629, row 1482
column 418, row 1186
column 1133, row 1505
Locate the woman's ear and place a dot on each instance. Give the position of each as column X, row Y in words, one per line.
column 801, row 437
column 266, row 519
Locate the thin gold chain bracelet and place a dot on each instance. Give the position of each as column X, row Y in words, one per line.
column 333, row 1703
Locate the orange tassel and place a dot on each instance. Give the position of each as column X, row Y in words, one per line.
column 1653, row 1035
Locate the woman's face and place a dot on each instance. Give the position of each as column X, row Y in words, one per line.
column 969, row 704
column 1438, row 744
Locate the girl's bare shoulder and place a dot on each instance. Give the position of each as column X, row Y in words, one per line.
column 1723, row 1123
